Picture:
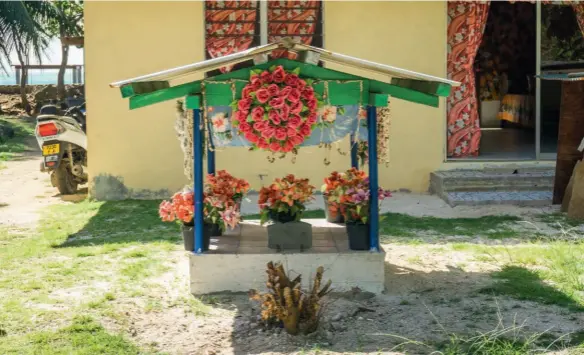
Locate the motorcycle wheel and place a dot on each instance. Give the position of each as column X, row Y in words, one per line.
column 65, row 180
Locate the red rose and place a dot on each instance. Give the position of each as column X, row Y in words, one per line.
column 251, row 137
column 294, row 96
column 279, row 75
column 277, row 102
column 291, row 132
column 244, row 127
column 288, row 146
column 257, row 113
column 241, row 116
column 305, row 130
column 285, row 112
column 275, row 147
column 244, row 104
column 312, row 118
column 274, row 117
column 280, row 134
column 263, row 143
column 308, row 93
column 285, row 91
column 268, row 132
column 297, row 139
column 259, row 126
column 263, row 95
column 292, row 80
column 300, row 84
column 266, row 77
column 247, row 90
column 274, row 90
column 312, row 104
column 295, row 121
column 296, row 107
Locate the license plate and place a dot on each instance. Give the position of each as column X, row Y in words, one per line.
column 51, row 149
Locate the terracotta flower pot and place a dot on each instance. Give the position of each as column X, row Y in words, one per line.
column 331, row 213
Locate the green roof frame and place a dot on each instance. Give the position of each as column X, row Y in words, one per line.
column 344, row 88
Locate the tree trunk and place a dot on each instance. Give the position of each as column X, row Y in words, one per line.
column 23, row 97
column 570, row 135
column 62, row 69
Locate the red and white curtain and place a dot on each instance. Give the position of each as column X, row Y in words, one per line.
column 229, row 27
column 296, row 19
column 467, row 22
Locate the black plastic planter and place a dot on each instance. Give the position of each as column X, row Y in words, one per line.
column 215, row 230
column 358, row 236
column 282, row 217
column 188, row 233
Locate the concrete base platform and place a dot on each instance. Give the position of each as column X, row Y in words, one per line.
column 237, row 261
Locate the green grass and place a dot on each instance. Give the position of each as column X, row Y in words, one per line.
column 402, row 225
column 76, row 249
column 558, row 219
column 23, row 132
column 524, row 284
column 550, row 272
column 84, row 336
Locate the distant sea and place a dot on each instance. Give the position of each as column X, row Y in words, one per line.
column 37, row 77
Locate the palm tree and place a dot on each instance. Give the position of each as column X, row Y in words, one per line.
column 67, row 23
column 21, row 31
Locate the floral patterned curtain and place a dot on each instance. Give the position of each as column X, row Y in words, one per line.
column 579, row 12
column 466, row 24
column 296, row 19
column 230, row 27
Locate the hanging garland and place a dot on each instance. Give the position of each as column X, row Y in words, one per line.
column 277, row 110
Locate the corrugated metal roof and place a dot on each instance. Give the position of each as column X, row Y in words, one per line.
column 325, row 56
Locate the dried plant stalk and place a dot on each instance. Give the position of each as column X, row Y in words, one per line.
column 286, row 302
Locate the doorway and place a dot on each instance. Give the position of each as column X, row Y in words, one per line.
column 516, row 115
column 505, row 68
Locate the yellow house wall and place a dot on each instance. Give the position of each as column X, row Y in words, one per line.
column 135, row 154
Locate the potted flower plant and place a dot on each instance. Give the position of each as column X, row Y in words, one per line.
column 228, row 189
column 356, row 206
column 283, row 202
column 331, row 193
column 218, row 212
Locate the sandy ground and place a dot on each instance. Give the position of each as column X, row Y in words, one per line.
column 432, row 293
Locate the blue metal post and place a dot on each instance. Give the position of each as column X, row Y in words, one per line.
column 373, row 178
column 198, row 180
column 354, row 157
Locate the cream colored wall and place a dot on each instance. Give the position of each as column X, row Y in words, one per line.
column 129, row 39
column 410, row 35
column 124, row 40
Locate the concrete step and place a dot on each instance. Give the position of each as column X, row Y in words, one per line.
column 518, row 198
column 442, row 182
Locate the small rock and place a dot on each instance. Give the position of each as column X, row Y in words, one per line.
column 360, row 318
column 329, row 335
column 133, row 332
column 337, row 317
column 339, row 327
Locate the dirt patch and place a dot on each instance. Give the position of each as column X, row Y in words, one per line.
column 432, row 295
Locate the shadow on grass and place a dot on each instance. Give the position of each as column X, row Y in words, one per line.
column 123, row 222
column 524, row 284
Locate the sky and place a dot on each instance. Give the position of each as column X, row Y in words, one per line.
column 54, row 54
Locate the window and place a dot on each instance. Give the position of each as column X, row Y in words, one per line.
column 233, row 26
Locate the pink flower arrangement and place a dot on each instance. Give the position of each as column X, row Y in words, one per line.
column 277, row 110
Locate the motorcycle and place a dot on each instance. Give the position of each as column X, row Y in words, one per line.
column 61, row 136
